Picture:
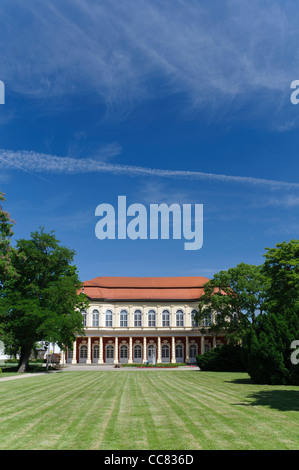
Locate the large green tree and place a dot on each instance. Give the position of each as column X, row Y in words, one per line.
column 234, row 298
column 6, row 232
column 41, row 303
column 269, row 346
column 259, row 305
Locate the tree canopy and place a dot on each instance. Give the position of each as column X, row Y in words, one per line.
column 259, row 307
column 41, row 302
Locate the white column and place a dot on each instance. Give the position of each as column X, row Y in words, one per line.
column 88, row 360
column 130, row 360
column 172, row 316
column 159, row 319
column 74, row 360
column 159, row 350
column 100, row 360
column 144, row 350
column 187, row 358
column 172, row 349
column 62, row 357
column 116, row 351
column 202, row 345
column 130, row 316
column 214, row 341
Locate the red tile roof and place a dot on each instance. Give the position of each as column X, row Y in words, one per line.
column 145, row 288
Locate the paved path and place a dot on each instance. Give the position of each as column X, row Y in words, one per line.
column 94, row 367
column 85, row 367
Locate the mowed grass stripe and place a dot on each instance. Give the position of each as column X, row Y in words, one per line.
column 225, row 415
column 179, row 427
column 146, row 410
column 43, row 410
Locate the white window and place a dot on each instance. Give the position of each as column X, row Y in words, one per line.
column 124, row 352
column 192, row 351
column 95, row 318
column 108, row 321
column 179, row 351
column 165, row 351
column 137, row 318
column 96, row 352
column 152, row 318
column 123, row 318
column 84, row 315
column 165, row 318
column 207, row 321
column 180, row 318
column 110, row 352
column 194, row 322
column 137, row 352
column 83, row 352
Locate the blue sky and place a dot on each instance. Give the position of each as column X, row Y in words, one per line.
column 174, row 102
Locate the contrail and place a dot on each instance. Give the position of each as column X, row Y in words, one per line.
column 34, row 162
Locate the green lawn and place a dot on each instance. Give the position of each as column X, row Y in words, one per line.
column 147, row 409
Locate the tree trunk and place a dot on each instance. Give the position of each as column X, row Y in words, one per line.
column 24, row 359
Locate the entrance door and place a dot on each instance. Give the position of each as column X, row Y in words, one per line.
column 96, row 353
column 123, row 354
column 151, row 354
column 110, row 354
column 165, row 353
column 137, row 354
column 179, row 357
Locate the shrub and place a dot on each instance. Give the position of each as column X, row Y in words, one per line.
column 268, row 350
column 226, row 358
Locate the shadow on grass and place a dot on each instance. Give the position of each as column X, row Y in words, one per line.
column 241, row 381
column 281, row 400
column 32, row 368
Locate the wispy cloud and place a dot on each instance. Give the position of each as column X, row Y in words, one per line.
column 125, row 53
column 40, row 163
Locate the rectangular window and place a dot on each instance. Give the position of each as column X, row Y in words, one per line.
column 151, row 319
column 137, row 319
column 180, row 319
column 123, row 319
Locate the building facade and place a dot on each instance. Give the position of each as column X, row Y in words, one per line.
column 138, row 320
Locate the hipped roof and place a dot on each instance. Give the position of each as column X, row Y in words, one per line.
column 145, row 288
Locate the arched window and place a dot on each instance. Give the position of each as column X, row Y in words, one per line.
column 137, row 318
column 165, row 318
column 180, row 318
column 151, row 353
column 137, row 351
column 192, row 351
column 108, row 321
column 152, row 318
column 83, row 352
column 96, row 351
column 179, row 353
column 194, row 322
column 207, row 347
column 165, row 353
column 109, row 353
column 123, row 352
column 95, row 318
column 123, row 318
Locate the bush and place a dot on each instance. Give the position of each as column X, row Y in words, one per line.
column 226, row 358
column 268, row 350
